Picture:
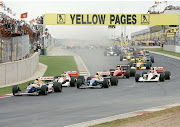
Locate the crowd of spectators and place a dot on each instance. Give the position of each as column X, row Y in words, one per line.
column 20, row 27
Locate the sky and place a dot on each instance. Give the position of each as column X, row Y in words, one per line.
column 36, row 8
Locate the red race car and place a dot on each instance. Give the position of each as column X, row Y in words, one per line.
column 123, row 71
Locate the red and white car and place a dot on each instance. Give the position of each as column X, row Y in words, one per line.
column 155, row 74
column 68, row 78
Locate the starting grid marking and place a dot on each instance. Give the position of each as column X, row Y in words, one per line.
column 83, row 73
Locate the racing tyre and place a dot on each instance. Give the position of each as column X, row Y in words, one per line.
column 132, row 72
column 152, row 59
column 127, row 74
column 82, row 78
column 57, row 87
column 148, row 65
column 79, row 83
column 111, row 69
column 15, row 89
column 114, row 81
column 162, row 77
column 167, row 75
column 137, row 76
column 121, row 57
column 144, row 72
column 131, row 63
column 105, row 83
column 73, row 81
column 44, row 90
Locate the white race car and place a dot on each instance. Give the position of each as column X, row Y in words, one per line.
column 155, row 74
column 68, row 78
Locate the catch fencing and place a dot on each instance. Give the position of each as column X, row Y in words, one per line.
column 14, row 48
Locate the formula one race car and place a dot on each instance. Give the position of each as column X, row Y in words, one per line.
column 142, row 52
column 100, row 80
column 123, row 71
column 127, row 57
column 155, row 74
column 148, row 58
column 140, row 64
column 111, row 53
column 41, row 86
column 68, row 78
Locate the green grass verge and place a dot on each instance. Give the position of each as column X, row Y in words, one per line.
column 119, row 122
column 163, row 51
column 56, row 66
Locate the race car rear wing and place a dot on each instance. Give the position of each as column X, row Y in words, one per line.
column 104, row 74
column 158, row 69
column 71, row 73
column 46, row 78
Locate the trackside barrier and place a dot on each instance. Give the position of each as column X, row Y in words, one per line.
column 15, row 71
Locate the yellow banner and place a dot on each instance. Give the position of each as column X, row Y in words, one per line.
column 170, row 34
column 124, row 43
column 111, row 19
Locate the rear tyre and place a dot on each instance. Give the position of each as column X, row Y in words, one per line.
column 167, row 75
column 73, row 81
column 57, row 87
column 15, row 89
column 132, row 72
column 137, row 76
column 79, row 83
column 114, row 81
column 111, row 69
column 105, row 83
column 127, row 74
column 121, row 57
column 82, row 78
column 152, row 59
column 162, row 77
column 148, row 65
column 43, row 90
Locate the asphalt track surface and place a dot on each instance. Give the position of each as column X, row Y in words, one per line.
column 79, row 105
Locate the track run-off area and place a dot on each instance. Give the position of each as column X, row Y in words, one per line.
column 80, row 105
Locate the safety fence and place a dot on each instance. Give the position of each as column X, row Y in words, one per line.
column 14, row 48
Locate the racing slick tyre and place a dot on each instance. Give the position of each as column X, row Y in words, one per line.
column 111, row 69
column 121, row 57
column 114, row 81
column 167, row 75
column 57, row 87
column 105, row 53
column 148, row 65
column 137, row 76
column 44, row 90
column 132, row 72
column 15, row 89
column 105, row 83
column 144, row 72
column 131, row 64
column 73, row 81
column 162, row 77
column 82, row 78
column 152, row 59
column 127, row 74
column 79, row 83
